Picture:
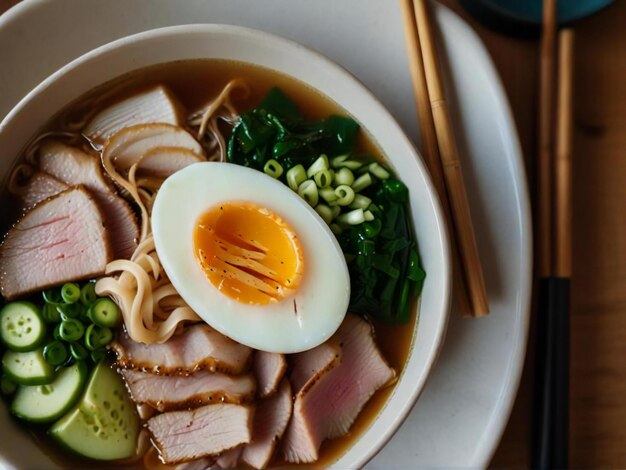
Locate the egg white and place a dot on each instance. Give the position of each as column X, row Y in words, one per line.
column 297, row 323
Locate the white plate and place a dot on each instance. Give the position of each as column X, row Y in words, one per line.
column 462, row 412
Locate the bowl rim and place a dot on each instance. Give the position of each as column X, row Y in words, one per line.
column 446, row 297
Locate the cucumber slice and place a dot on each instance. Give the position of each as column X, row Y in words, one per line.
column 46, row 403
column 104, row 425
column 21, row 326
column 27, row 368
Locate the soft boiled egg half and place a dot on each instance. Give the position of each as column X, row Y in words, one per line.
column 250, row 257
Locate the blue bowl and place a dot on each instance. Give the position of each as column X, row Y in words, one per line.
column 523, row 17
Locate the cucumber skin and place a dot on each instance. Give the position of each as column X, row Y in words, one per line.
column 83, row 373
column 44, row 380
column 38, row 342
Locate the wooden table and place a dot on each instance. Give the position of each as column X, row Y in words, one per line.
column 598, row 326
column 598, row 315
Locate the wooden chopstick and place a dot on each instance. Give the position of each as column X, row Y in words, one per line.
column 562, row 262
column 545, row 139
column 430, row 148
column 551, row 406
column 449, row 156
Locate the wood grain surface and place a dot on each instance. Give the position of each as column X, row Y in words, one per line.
column 598, row 316
column 598, row 324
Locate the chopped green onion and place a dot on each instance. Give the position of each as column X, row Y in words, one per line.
column 98, row 355
column 378, row 171
column 52, row 296
column 350, row 164
column 97, row 336
column 336, row 229
column 344, row 176
column 354, row 217
column 308, row 191
column 345, row 195
column 318, row 165
column 55, row 353
column 336, row 210
column 70, row 330
column 88, row 294
column 328, row 194
column 50, row 313
column 360, row 202
column 362, row 182
column 295, row 176
column 273, row 168
column 323, row 178
column 7, row 386
column 105, row 312
column 70, row 293
column 325, row 212
column 337, row 161
column 68, row 311
column 78, row 352
column 368, row 216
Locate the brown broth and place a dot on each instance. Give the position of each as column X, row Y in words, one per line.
column 194, row 83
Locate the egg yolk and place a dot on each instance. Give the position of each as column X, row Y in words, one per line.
column 248, row 252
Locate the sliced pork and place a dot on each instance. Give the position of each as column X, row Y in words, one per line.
column 270, row 422
column 62, row 239
column 269, row 369
column 40, row 187
column 230, row 458
column 183, row 392
column 197, row 347
column 313, row 363
column 154, row 105
column 127, row 146
column 152, row 461
column 327, row 406
column 162, row 162
column 73, row 166
column 182, row 436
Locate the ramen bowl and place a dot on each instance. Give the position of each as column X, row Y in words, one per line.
column 17, row 448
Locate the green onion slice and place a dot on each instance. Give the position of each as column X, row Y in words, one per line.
column 70, row 293
column 88, row 294
column 378, row 171
column 105, row 312
column 318, row 165
column 325, row 212
column 362, row 182
column 295, row 176
column 273, row 168
column 344, row 176
column 354, row 217
column 55, row 353
column 308, row 191
column 323, row 178
column 70, row 330
column 345, row 195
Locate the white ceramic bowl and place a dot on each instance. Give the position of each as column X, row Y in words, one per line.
column 17, row 449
